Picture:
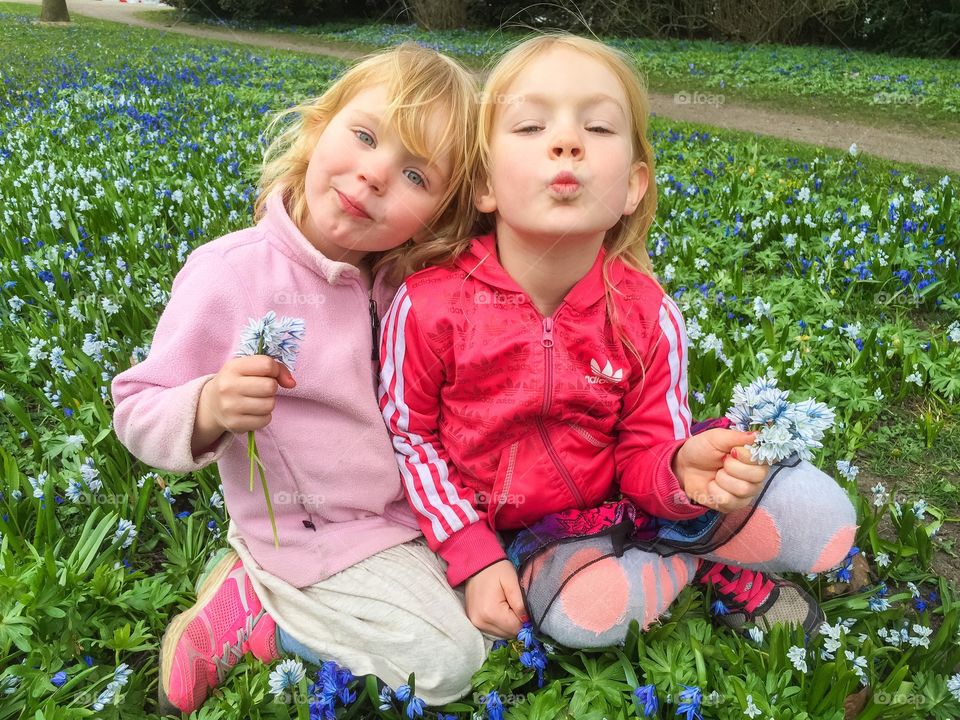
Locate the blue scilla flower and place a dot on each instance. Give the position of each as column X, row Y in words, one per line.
column 494, row 705
column 526, row 635
column 690, row 700
column 59, row 679
column 646, row 695
column 386, row 698
column 719, row 608
column 497, row 644
column 415, row 708
column 403, row 693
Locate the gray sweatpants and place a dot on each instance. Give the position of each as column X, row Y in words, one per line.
column 389, row 615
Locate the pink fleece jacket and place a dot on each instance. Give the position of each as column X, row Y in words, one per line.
column 329, row 462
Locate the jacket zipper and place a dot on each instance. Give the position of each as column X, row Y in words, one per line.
column 375, row 327
column 547, row 341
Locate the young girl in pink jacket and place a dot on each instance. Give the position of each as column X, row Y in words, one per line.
column 535, row 383
column 377, row 161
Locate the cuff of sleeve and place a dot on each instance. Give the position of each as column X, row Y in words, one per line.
column 676, row 504
column 469, row 551
column 158, row 429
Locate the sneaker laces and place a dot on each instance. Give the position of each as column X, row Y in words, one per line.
column 234, row 652
column 744, row 589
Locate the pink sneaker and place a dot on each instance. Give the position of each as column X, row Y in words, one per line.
column 203, row 643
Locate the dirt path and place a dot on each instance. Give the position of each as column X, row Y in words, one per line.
column 939, row 150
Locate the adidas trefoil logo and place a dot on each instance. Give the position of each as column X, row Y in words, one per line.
column 606, row 374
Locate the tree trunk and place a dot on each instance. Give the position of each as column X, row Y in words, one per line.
column 54, row 11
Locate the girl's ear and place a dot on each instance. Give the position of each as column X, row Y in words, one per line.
column 483, row 197
column 637, row 186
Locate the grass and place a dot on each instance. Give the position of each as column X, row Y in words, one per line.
column 665, row 62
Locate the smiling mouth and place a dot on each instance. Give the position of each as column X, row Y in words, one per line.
column 351, row 206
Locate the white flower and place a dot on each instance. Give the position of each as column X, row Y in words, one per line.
column 853, row 149
column 761, row 308
column 37, row 484
column 920, row 508
column 126, row 531
column 915, row 379
column 287, row 674
column 882, row 559
column 277, row 338
column 878, row 394
column 74, row 491
column 756, row 634
column 922, row 638
column 752, row 710
column 848, row 471
column 914, row 590
column 216, row 500
column 798, row 656
column 790, row 240
column 953, row 685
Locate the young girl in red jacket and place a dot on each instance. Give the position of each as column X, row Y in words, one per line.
column 535, row 383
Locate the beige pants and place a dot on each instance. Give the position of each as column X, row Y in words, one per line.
column 389, row 615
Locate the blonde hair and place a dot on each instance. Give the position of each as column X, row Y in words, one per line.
column 422, row 84
column 627, row 239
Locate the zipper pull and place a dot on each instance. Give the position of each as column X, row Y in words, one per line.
column 547, row 339
column 375, row 326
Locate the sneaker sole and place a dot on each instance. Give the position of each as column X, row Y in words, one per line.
column 208, row 588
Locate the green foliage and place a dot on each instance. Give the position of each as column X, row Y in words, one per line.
column 121, row 151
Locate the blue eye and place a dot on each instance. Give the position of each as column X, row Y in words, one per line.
column 365, row 137
column 415, row 177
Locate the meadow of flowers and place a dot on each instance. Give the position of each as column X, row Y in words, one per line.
column 921, row 87
column 121, row 150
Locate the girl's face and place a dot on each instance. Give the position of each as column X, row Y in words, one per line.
column 365, row 192
column 561, row 152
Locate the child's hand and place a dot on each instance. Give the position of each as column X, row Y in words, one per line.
column 716, row 469
column 239, row 398
column 494, row 603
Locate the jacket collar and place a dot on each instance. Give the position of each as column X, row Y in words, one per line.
column 481, row 261
column 278, row 224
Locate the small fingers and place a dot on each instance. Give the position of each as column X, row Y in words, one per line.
column 736, row 487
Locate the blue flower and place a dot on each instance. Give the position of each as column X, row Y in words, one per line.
column 415, row 708
column 719, row 608
column 494, row 705
column 690, row 699
column 647, row 696
column 59, row 679
column 386, row 698
column 403, row 693
column 526, row 634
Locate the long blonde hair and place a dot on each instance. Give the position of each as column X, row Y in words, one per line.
column 627, row 239
column 422, row 84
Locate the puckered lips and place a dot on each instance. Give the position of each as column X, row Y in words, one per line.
column 565, row 185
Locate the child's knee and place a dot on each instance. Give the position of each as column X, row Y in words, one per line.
column 822, row 518
column 447, row 675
